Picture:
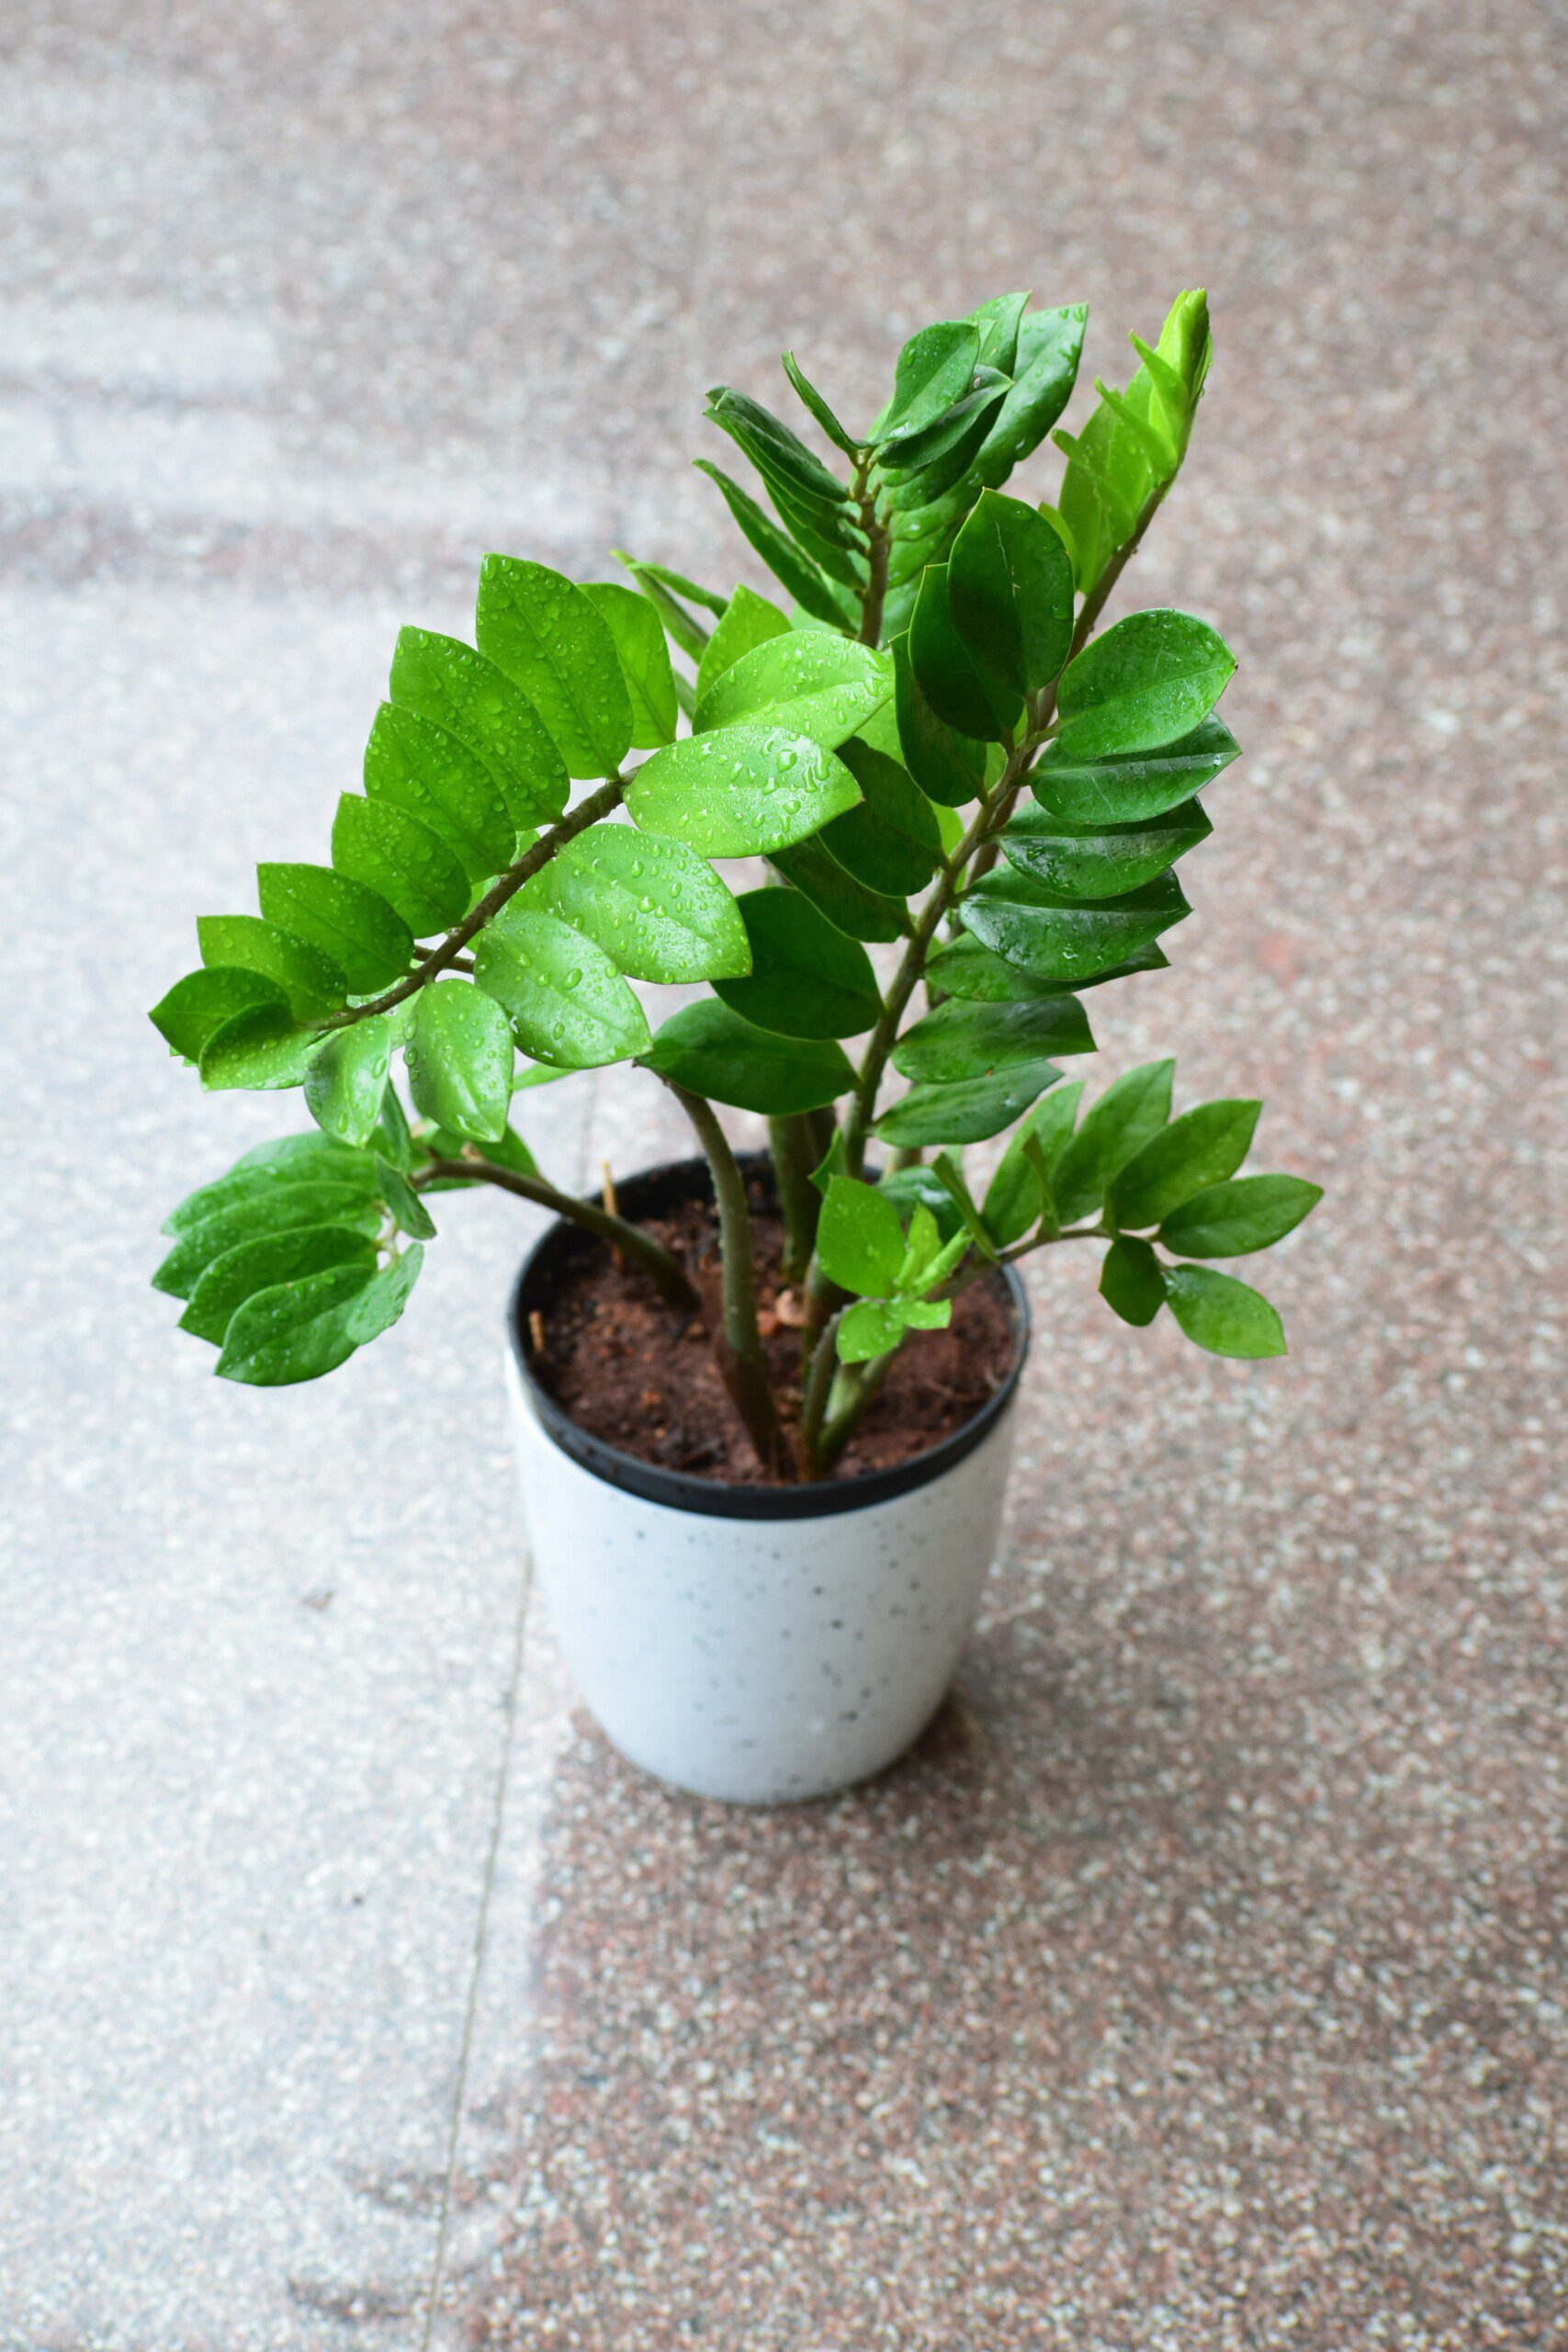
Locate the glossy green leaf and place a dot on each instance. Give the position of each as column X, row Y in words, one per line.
column 1045, row 369
column 657, row 908
column 371, row 945
column 196, row 1007
column 346, row 1081
column 1229, row 1220
column 1131, row 1282
column 262, row 1047
column 408, row 1209
column 1138, row 789
column 944, row 449
column 1202, row 1148
column 644, row 658
column 964, row 967
column 891, row 843
column 869, row 1329
column 295, row 1330
column 567, row 1003
column 920, row 1187
column 711, row 1051
column 459, row 1055
column 1016, row 1198
column 739, row 791
column 544, row 632
column 392, row 1139
column 663, row 590
column 860, row 1242
column 806, row 978
column 809, row 682
column 1094, row 861
column 1027, row 924
column 312, row 983
column 780, row 456
column 812, row 400
column 279, row 1208
column 414, row 767
column 958, row 691
column 1133, row 443
column 287, row 1159
column 848, row 906
column 1145, row 682
column 1126, row 1116
column 239, row 1273
column 1222, row 1314
column 970, row 1040
column 998, row 322
column 949, row 767
column 968, row 1110
column 1009, row 585
column 933, row 370
column 383, row 1299
column 748, row 620
column 470, row 697
column 805, row 582
column 400, row 857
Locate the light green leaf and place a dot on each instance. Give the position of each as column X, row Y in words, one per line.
column 860, row 1242
column 408, row 1210
column 1009, row 584
column 892, row 841
column 933, row 370
column 819, row 409
column 1016, row 1197
column 259, row 1048
column 808, row 680
column 396, row 854
column 1222, row 1314
column 1139, row 787
column 372, row 945
column 466, row 694
column 1097, row 861
column 998, row 320
column 239, row 1273
column 1202, row 1148
column 567, row 1003
column 1133, row 443
column 378, row 1305
column 848, row 906
column 294, row 1331
column 1232, row 1220
column 415, row 766
column 1045, row 369
column 748, row 620
column 1126, row 1116
column 739, row 791
column 644, row 658
column 196, row 1007
column 805, row 582
column 711, row 1051
column 280, row 1207
column 312, row 983
column 655, row 907
column 1131, row 1282
column 459, row 1055
column 968, row 1110
column 868, row 1330
column 544, row 632
column 287, row 1159
column 1058, row 941
column 347, row 1081
column 960, row 1040
column 806, row 978
column 1145, row 682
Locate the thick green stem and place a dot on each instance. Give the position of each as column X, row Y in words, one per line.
column 663, row 1270
column 740, row 1357
column 877, row 548
column 790, row 1141
column 813, row 1402
column 862, row 1393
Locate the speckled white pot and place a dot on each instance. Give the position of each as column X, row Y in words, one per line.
column 759, row 1645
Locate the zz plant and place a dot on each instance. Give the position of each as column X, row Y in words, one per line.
column 933, row 745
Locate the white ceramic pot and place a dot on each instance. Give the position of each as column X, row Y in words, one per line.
column 755, row 1644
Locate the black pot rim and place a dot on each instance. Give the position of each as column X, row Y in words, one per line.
column 644, row 1194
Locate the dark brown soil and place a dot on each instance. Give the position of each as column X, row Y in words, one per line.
column 642, row 1378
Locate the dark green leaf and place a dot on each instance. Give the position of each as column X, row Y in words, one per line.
column 819, row 409
column 544, row 632
column 1138, row 789
column 381, row 1301
column 459, row 1055
column 1202, row 1148
column 409, row 866
column 933, row 370
column 860, row 1242
column 943, row 450
column 567, row 1003
column 998, row 320
column 281, row 1206
column 711, row 1051
column 198, row 1006
column 962, row 968
column 948, row 767
column 408, row 1210
column 850, row 907
column 1098, row 861
column 957, row 690
column 748, row 620
column 971, row 1040
column 287, row 1159
column 466, row 695
column 780, row 456
column 968, row 1110
column 809, row 682
column 392, row 1139
column 644, row 658
column 1146, row 683
column 258, row 1265
column 1015, row 1198
column 1120, row 1123
column 1131, row 1282
column 891, row 843
column 1232, row 1220
column 1028, row 925
column 1045, row 369
column 1009, row 585
column 295, row 1330
column 739, row 791
column 372, row 945
column 346, row 1081
column 913, row 1188
column 806, row 978
column 312, row 981
column 805, row 582
column 657, row 908
column 260, row 1048
column 1222, row 1315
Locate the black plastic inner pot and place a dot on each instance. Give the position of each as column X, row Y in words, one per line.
column 547, row 1271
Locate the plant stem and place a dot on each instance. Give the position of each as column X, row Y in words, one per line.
column 814, row 1401
column 441, row 959
column 740, row 1357
column 862, row 1397
column 877, row 548
column 664, row 1269
column 790, row 1143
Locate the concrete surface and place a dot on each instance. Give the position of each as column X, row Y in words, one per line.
column 1200, row 1983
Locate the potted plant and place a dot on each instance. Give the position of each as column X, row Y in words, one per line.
column 761, row 1518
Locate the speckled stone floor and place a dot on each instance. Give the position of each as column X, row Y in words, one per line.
column 1198, row 1987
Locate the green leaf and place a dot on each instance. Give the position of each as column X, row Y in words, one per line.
column 810, row 589
column 748, row 620
column 544, row 632
column 944, row 451
column 966, row 1110
column 567, row 1003
column 395, row 855
column 287, row 1159
column 1146, row 683
column 1132, row 445
column 1045, row 369
column 913, row 1188
column 711, row 1051
column 459, row 1055
column 1016, row 1198
column 933, row 370
column 279, row 1207
column 408, row 1210
column 892, row 841
column 962, row 968
column 260, row 1048
column 681, row 627
column 1140, row 788
column 414, row 767
column 848, row 906
column 948, row 767
column 346, row 1081
column 960, row 1041
column 644, row 658
column 957, row 690
column 295, row 1330
column 657, row 908
column 780, row 456
column 1202, row 1148
column 1219, row 1313
column 819, row 409
column 1009, row 586
column 739, row 791
column 468, row 697
column 870, row 1328
column 353, row 925
column 312, row 981
column 806, row 980
column 1232, row 1220
column 383, row 1301
column 392, row 1139
column 1131, row 1282
column 860, row 1242
column 1126, row 1116
column 809, row 681
column 198, row 1006
column 1057, row 941
column 1098, row 861
column 998, row 320
column 239, row 1273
